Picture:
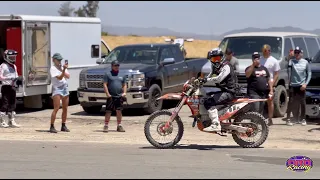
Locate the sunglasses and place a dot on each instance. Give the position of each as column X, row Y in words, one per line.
column 116, row 65
column 296, row 52
column 266, row 50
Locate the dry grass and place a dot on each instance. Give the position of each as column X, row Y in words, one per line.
column 197, row 48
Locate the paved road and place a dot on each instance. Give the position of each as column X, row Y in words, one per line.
column 22, row 159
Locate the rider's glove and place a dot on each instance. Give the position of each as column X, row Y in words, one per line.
column 19, row 80
column 203, row 80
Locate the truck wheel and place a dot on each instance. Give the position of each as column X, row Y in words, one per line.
column 92, row 109
column 280, row 101
column 153, row 104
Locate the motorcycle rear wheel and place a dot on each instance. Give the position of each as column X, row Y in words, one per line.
column 257, row 119
column 154, row 142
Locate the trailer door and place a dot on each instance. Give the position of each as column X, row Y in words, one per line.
column 37, row 61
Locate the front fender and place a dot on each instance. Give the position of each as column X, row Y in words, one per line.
column 173, row 96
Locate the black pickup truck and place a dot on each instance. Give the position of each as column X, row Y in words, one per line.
column 313, row 89
column 151, row 70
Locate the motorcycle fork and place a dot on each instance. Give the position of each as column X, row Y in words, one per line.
column 175, row 112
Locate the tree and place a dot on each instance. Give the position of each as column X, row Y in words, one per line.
column 88, row 10
column 91, row 8
column 80, row 12
column 66, row 9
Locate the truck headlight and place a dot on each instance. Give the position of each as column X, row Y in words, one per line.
column 82, row 82
column 137, row 76
column 138, row 80
column 139, row 83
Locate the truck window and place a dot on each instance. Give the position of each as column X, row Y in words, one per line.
column 166, row 53
column 316, row 58
column 243, row 47
column 299, row 42
column 312, row 46
column 133, row 54
column 223, row 44
column 178, row 57
column 104, row 49
column 287, row 46
column 95, row 51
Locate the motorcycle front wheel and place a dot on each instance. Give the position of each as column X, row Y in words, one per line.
column 255, row 121
column 164, row 116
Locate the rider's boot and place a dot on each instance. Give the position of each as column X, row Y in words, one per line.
column 2, row 120
column 12, row 122
column 215, row 125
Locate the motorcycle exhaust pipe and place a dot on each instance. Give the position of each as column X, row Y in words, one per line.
column 236, row 128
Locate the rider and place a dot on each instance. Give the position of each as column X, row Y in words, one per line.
column 10, row 81
column 225, row 80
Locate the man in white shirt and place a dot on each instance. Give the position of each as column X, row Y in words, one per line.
column 273, row 67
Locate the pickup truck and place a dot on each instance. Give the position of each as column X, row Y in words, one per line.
column 151, row 70
column 313, row 89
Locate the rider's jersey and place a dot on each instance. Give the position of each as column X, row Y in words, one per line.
column 226, row 77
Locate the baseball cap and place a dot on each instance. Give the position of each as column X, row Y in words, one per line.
column 255, row 55
column 228, row 51
column 57, row 56
column 115, row 62
column 298, row 50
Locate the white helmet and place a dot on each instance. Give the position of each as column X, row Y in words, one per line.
column 10, row 56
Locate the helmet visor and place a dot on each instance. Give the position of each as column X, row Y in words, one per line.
column 216, row 59
column 12, row 58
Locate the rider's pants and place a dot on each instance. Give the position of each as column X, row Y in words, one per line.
column 219, row 98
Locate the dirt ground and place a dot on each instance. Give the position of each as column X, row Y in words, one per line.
column 88, row 128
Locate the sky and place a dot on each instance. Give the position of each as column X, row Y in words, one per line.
column 200, row 17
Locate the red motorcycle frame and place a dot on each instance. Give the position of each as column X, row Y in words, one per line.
column 193, row 103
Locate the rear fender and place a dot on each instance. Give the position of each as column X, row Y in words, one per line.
column 247, row 100
column 247, row 107
column 173, row 96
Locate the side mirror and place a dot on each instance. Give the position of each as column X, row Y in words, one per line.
column 167, row 61
column 104, row 55
column 99, row 61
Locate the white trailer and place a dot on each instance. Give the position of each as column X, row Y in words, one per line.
column 37, row 38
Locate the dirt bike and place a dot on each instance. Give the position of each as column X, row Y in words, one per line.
column 235, row 117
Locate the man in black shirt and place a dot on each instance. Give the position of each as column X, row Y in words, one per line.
column 258, row 79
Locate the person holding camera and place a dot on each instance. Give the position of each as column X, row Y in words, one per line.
column 115, row 88
column 59, row 76
column 10, row 81
column 259, row 83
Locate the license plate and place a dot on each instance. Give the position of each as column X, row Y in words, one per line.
column 312, row 110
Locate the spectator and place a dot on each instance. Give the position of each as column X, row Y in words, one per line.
column 273, row 67
column 9, row 78
column 233, row 60
column 115, row 89
column 289, row 109
column 259, row 84
column 300, row 75
column 59, row 76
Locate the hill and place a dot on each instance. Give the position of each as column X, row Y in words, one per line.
column 154, row 31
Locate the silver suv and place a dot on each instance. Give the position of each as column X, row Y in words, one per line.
column 244, row 44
